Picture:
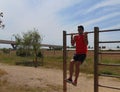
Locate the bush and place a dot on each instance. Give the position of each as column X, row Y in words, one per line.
column 6, row 51
column 22, row 52
column 39, row 54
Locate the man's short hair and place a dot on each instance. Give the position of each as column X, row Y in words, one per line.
column 81, row 27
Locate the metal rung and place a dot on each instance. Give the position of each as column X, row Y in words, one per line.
column 109, row 64
column 78, row 33
column 109, row 30
column 106, row 75
column 109, row 52
column 109, row 87
column 109, row 41
column 99, row 31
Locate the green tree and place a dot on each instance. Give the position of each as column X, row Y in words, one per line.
column 29, row 44
column 1, row 22
column 35, row 44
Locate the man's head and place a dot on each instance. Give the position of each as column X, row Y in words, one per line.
column 80, row 29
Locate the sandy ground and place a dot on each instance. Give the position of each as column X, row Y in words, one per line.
column 41, row 77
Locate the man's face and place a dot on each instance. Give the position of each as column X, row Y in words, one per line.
column 80, row 31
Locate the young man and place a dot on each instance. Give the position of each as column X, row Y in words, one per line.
column 81, row 41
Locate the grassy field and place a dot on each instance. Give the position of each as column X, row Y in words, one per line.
column 54, row 59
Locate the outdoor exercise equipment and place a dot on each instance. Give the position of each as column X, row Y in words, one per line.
column 96, row 58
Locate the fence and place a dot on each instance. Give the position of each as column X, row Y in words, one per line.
column 96, row 58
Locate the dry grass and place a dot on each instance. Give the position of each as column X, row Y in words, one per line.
column 54, row 59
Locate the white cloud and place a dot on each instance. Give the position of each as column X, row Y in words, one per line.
column 104, row 3
column 113, row 27
column 23, row 15
column 93, row 21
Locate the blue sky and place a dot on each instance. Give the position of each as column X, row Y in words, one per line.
column 51, row 17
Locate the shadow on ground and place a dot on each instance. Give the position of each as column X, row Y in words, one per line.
column 29, row 63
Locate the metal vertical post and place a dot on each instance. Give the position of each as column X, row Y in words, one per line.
column 64, row 63
column 96, row 57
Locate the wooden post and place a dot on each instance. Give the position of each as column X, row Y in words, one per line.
column 64, row 63
column 96, row 57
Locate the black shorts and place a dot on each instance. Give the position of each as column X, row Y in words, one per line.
column 79, row 57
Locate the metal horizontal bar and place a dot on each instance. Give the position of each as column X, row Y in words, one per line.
column 109, row 41
column 106, row 75
column 109, row 64
column 71, row 33
column 109, row 30
column 77, row 33
column 109, row 87
column 109, row 52
column 99, row 31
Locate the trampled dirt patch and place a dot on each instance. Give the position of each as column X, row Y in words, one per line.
column 42, row 77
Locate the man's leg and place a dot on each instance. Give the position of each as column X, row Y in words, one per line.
column 71, row 69
column 77, row 70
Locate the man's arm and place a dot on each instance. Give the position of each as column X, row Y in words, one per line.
column 86, row 38
column 72, row 40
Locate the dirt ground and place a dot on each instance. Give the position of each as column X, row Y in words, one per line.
column 41, row 77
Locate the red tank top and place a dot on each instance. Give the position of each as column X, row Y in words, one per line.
column 81, row 47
